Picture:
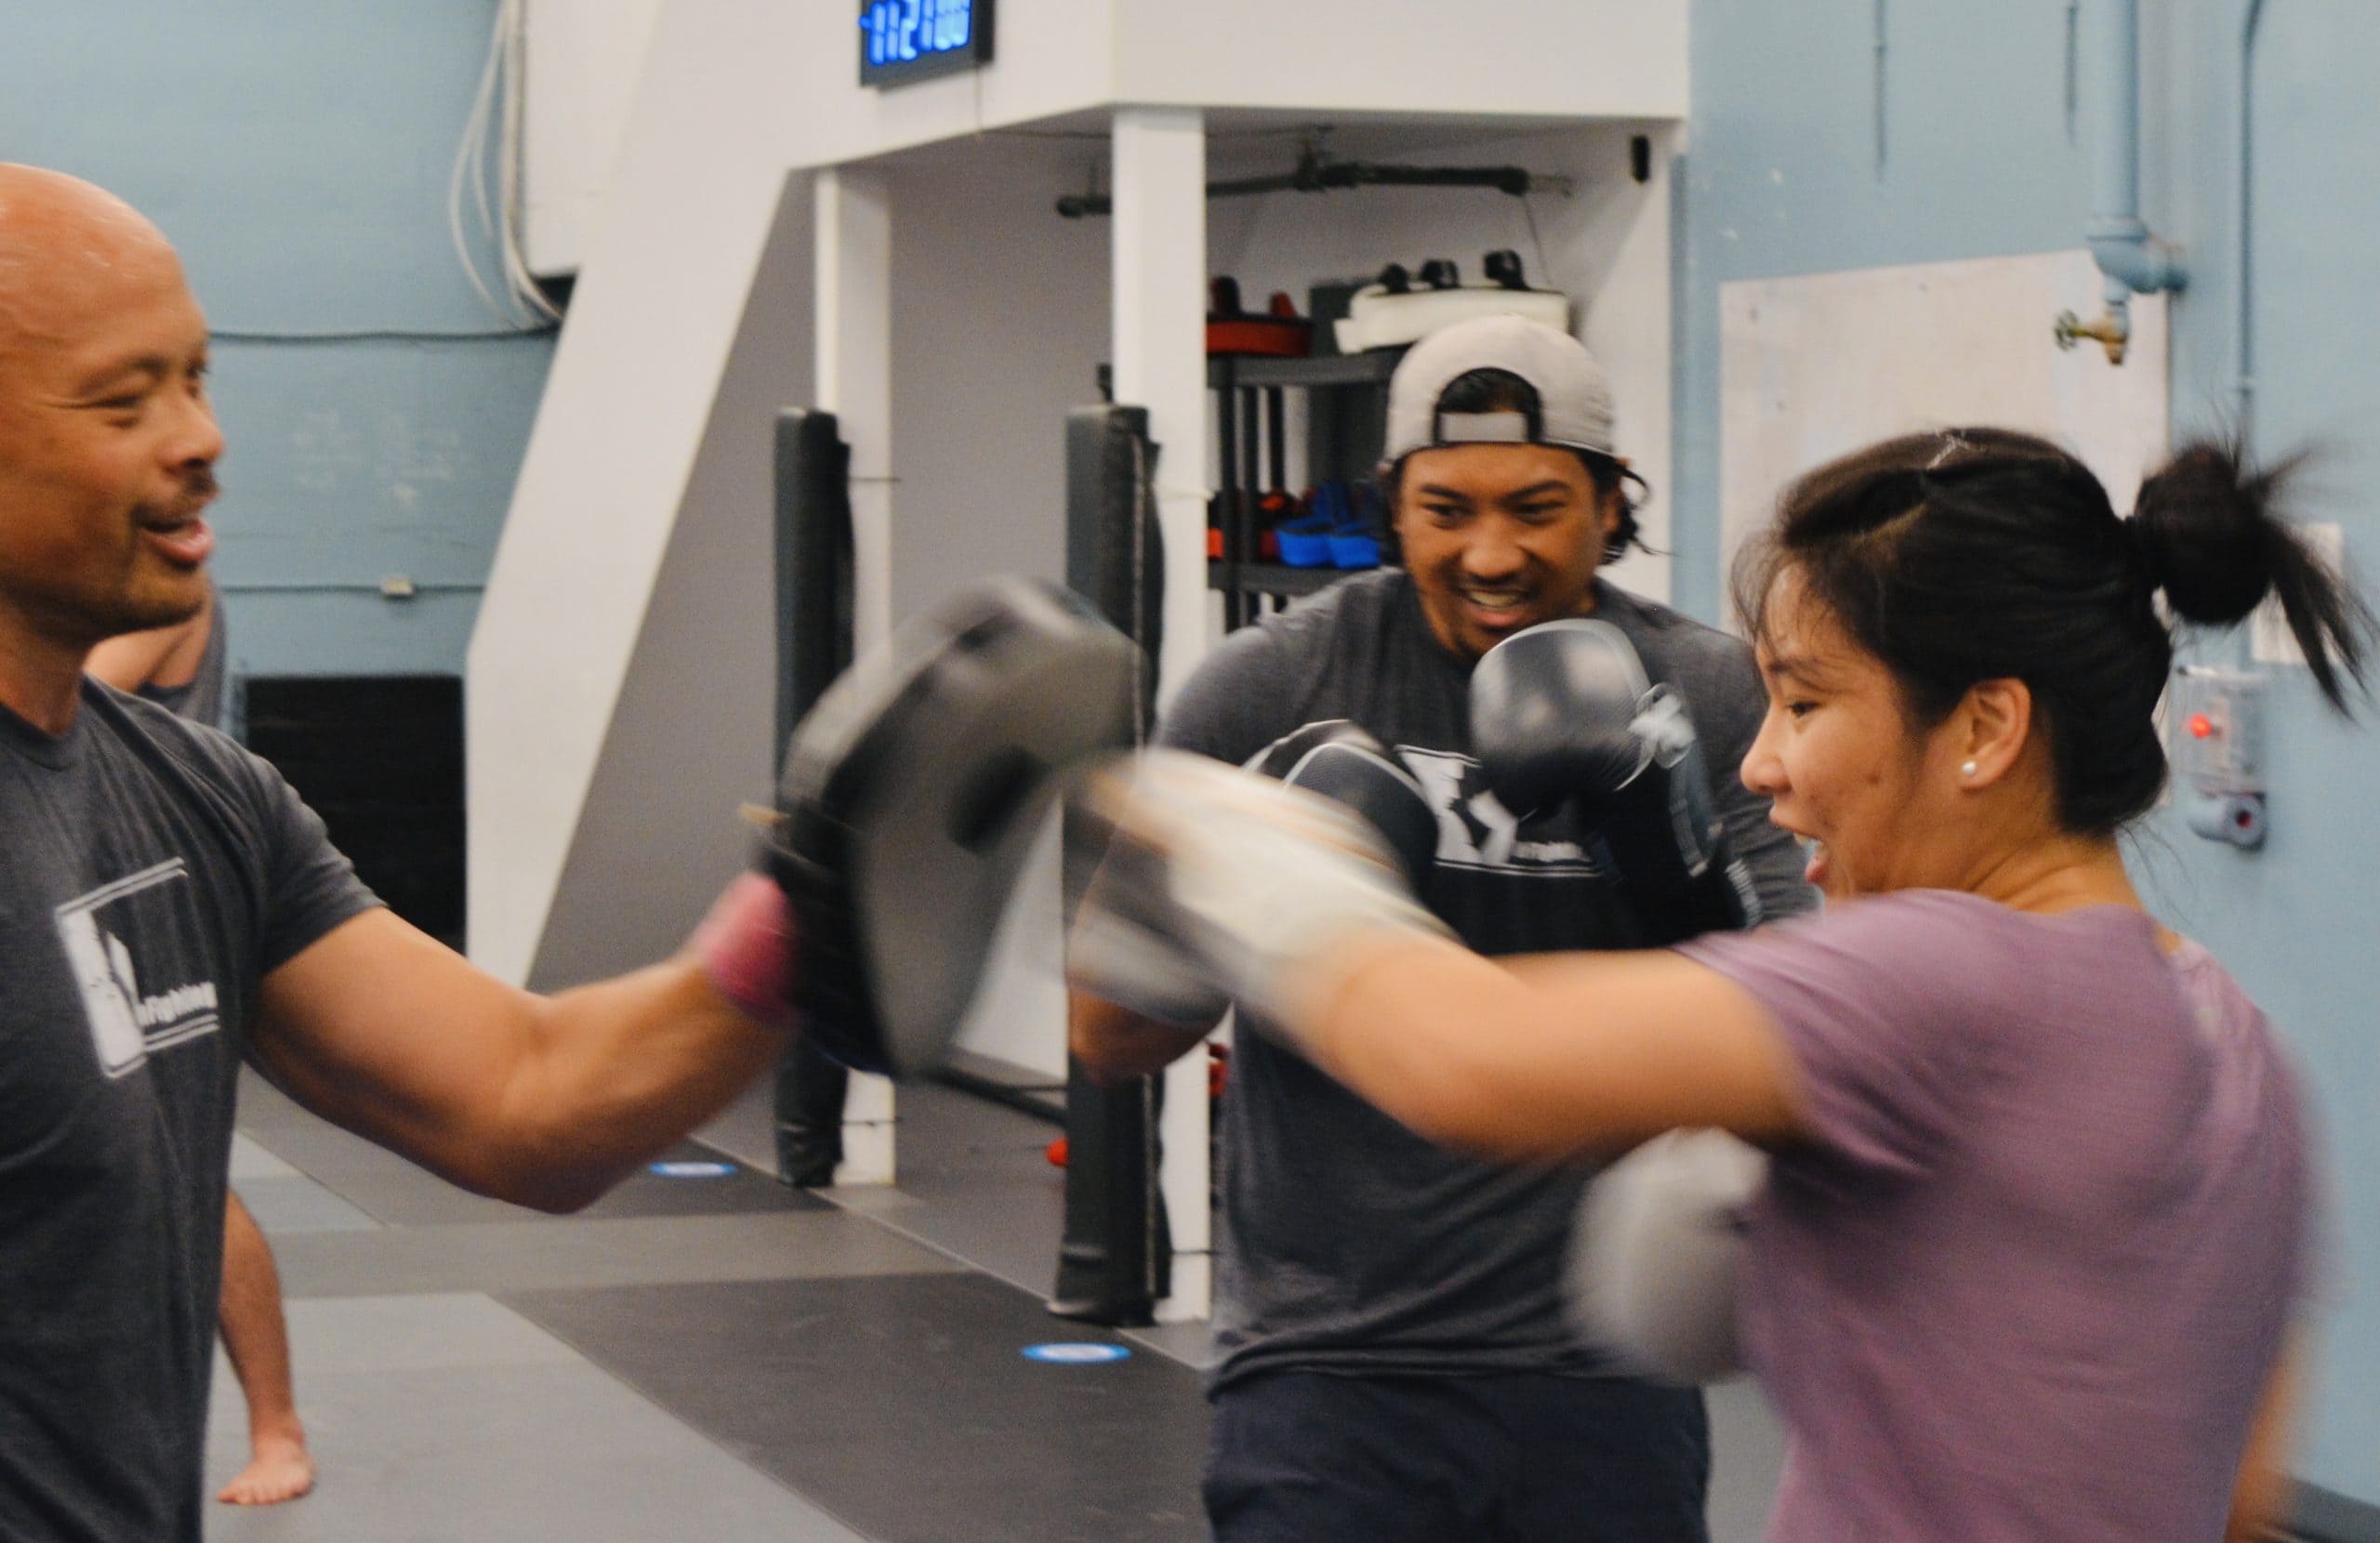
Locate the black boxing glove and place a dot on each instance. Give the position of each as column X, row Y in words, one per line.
column 1339, row 760
column 1563, row 712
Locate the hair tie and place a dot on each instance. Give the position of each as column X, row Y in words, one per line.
column 1952, row 442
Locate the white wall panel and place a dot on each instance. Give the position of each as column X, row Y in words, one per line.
column 1820, row 364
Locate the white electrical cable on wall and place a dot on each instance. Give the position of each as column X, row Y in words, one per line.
column 497, row 101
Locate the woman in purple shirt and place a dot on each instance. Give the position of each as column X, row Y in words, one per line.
column 2038, row 1220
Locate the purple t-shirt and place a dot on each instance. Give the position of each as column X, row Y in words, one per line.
column 2029, row 1275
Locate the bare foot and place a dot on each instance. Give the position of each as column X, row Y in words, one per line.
column 280, row 1469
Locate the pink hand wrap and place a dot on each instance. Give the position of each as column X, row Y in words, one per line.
column 745, row 944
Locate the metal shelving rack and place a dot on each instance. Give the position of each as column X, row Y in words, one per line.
column 1347, row 401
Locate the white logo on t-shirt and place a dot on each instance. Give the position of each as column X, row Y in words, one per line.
column 1475, row 831
column 127, row 1022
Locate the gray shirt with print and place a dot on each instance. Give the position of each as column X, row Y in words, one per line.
column 1347, row 1243
column 154, row 873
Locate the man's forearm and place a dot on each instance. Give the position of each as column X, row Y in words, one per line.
column 1114, row 1043
column 541, row 1100
column 616, row 1071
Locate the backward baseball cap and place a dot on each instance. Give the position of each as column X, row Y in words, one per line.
column 1573, row 394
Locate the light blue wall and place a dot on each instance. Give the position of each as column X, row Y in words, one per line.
column 1783, row 178
column 298, row 153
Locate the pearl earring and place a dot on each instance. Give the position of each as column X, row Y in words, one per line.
column 1967, row 769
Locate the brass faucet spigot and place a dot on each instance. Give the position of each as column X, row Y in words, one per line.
column 2109, row 330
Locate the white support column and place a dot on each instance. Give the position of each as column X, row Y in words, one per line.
column 1628, row 328
column 854, row 382
column 1161, row 364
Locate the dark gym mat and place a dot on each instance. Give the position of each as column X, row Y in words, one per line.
column 904, row 1406
column 2325, row 1517
column 395, row 1193
column 975, row 1182
column 652, row 1250
column 745, row 1190
column 403, row 1195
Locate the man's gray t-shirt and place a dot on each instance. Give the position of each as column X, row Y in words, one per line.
column 1347, row 1243
column 2027, row 1278
column 155, row 872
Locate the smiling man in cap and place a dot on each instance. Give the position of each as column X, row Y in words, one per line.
column 1392, row 1361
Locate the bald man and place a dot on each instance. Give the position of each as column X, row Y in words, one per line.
column 169, row 906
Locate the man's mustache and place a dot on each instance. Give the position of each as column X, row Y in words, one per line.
column 199, row 488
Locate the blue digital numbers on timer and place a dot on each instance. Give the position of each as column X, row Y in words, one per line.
column 899, row 31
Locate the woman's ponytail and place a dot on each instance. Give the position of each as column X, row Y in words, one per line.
column 2206, row 530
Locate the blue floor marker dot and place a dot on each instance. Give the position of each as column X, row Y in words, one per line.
column 1077, row 1353
column 692, row 1170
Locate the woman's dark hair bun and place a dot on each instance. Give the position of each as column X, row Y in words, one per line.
column 2203, row 528
column 2206, row 531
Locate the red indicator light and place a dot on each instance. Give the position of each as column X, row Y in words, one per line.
column 2201, row 726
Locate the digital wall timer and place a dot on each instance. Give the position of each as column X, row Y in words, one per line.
column 905, row 40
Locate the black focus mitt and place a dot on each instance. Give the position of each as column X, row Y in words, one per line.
column 911, row 794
